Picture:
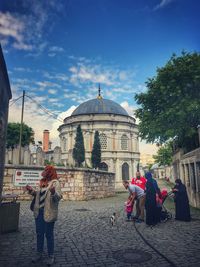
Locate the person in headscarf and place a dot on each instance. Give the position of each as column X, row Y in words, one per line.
column 45, row 211
column 152, row 212
column 182, row 207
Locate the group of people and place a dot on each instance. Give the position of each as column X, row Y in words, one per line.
column 145, row 193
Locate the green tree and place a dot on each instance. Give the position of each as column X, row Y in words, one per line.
column 96, row 151
column 164, row 155
column 149, row 165
column 13, row 132
column 170, row 109
column 79, row 150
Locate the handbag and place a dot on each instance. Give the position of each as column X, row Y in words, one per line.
column 32, row 203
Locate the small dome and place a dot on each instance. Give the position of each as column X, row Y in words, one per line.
column 99, row 106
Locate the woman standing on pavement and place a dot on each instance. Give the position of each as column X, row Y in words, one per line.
column 45, row 211
column 182, row 207
column 152, row 212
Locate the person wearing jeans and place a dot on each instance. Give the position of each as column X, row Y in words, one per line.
column 45, row 211
column 136, row 193
column 44, row 229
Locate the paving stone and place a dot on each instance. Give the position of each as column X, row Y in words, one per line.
column 84, row 237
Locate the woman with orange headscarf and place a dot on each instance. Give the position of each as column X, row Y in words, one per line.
column 45, row 211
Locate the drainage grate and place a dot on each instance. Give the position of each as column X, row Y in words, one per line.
column 131, row 256
column 81, row 210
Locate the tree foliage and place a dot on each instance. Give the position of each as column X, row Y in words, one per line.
column 79, row 149
column 13, row 134
column 171, row 108
column 164, row 155
column 96, row 151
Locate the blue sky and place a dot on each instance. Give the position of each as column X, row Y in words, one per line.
column 58, row 51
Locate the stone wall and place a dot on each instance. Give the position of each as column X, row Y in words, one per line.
column 76, row 184
column 187, row 168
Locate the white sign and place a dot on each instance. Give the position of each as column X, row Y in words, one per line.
column 24, row 177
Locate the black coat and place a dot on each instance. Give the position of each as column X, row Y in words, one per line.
column 150, row 203
column 182, row 203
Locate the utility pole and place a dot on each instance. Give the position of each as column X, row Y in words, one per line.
column 21, row 128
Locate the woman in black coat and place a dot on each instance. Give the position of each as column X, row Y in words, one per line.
column 182, row 207
column 152, row 212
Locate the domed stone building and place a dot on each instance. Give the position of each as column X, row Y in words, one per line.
column 118, row 136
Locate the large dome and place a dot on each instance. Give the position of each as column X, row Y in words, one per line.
column 99, row 106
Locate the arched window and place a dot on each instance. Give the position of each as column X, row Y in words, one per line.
column 125, row 171
column 103, row 141
column 124, row 142
column 103, row 166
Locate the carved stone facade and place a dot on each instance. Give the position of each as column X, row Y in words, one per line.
column 118, row 137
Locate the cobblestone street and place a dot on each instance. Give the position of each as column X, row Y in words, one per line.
column 84, row 237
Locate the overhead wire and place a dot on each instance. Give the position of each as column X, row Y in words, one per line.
column 45, row 110
column 50, row 113
column 14, row 101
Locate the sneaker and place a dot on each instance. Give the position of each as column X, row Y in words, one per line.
column 37, row 258
column 50, row 260
column 138, row 221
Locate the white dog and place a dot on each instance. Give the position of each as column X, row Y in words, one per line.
column 113, row 219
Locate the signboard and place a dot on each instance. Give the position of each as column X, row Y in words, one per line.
column 24, row 177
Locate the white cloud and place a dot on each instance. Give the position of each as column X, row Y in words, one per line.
column 38, row 120
column 22, row 46
column 38, row 99
column 58, row 104
column 13, row 27
column 163, row 4
column 52, row 100
column 52, row 54
column 144, row 148
column 122, row 75
column 56, row 49
column 128, row 108
column 20, row 69
column 80, row 59
column 47, row 84
column 54, row 127
column 52, row 91
column 113, row 79
column 39, row 48
column 24, row 30
column 123, row 90
column 61, row 77
column 58, row 76
column 90, row 73
column 33, row 117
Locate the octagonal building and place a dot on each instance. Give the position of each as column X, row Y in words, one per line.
column 118, row 137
